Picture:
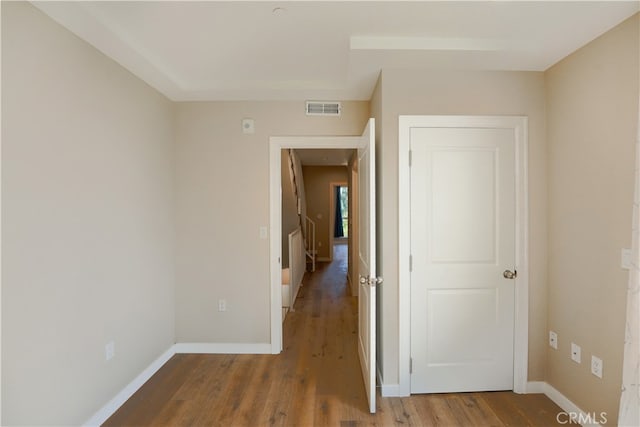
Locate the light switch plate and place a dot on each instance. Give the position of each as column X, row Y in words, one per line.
column 109, row 350
column 626, row 259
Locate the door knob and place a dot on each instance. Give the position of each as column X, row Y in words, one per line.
column 371, row 281
column 508, row 274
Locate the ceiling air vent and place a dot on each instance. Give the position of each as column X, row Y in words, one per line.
column 323, row 108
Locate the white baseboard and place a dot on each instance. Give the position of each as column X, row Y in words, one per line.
column 390, row 390
column 585, row 419
column 112, row 406
column 535, row 387
column 387, row 390
column 223, row 348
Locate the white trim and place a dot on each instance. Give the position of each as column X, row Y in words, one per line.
column 390, row 390
column 521, row 318
column 536, row 387
column 275, row 244
column 387, row 390
column 521, row 335
column 277, row 143
column 223, row 348
column 112, row 406
column 404, row 250
column 561, row 400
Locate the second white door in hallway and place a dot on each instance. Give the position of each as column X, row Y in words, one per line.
column 462, row 240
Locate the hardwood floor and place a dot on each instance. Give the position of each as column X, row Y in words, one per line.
column 315, row 381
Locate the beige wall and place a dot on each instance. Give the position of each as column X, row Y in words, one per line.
column 460, row 93
column 222, row 190
column 87, row 221
column 317, row 181
column 592, row 113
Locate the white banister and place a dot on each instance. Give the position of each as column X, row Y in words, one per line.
column 310, row 241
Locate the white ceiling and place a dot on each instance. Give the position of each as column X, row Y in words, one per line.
column 331, row 50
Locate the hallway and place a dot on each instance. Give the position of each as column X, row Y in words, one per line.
column 316, row 380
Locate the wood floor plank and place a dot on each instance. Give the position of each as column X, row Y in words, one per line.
column 537, row 407
column 502, row 404
column 478, row 410
column 155, row 393
column 315, row 381
column 428, row 412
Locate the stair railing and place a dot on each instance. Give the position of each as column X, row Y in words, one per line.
column 310, row 241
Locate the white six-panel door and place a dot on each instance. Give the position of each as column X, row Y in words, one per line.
column 462, row 241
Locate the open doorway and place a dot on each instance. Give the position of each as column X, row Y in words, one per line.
column 339, row 210
column 366, row 237
column 324, row 150
column 315, row 214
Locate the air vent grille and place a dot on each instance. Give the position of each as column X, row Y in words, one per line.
column 323, row 108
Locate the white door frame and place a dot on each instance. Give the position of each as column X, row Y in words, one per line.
column 276, row 144
column 521, row 332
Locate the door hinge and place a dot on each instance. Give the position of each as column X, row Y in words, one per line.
column 410, row 157
column 410, row 263
column 411, row 365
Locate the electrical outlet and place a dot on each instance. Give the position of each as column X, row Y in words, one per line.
column 109, row 350
column 576, row 352
column 263, row 233
column 553, row 340
column 222, row 305
column 596, row 366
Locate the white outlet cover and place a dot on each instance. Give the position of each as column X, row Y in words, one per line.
column 596, row 366
column 263, row 232
column 576, row 353
column 553, row 340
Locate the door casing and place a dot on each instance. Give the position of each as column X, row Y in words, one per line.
column 276, row 144
column 519, row 124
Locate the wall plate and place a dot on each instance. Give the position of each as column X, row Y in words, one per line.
column 248, row 126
